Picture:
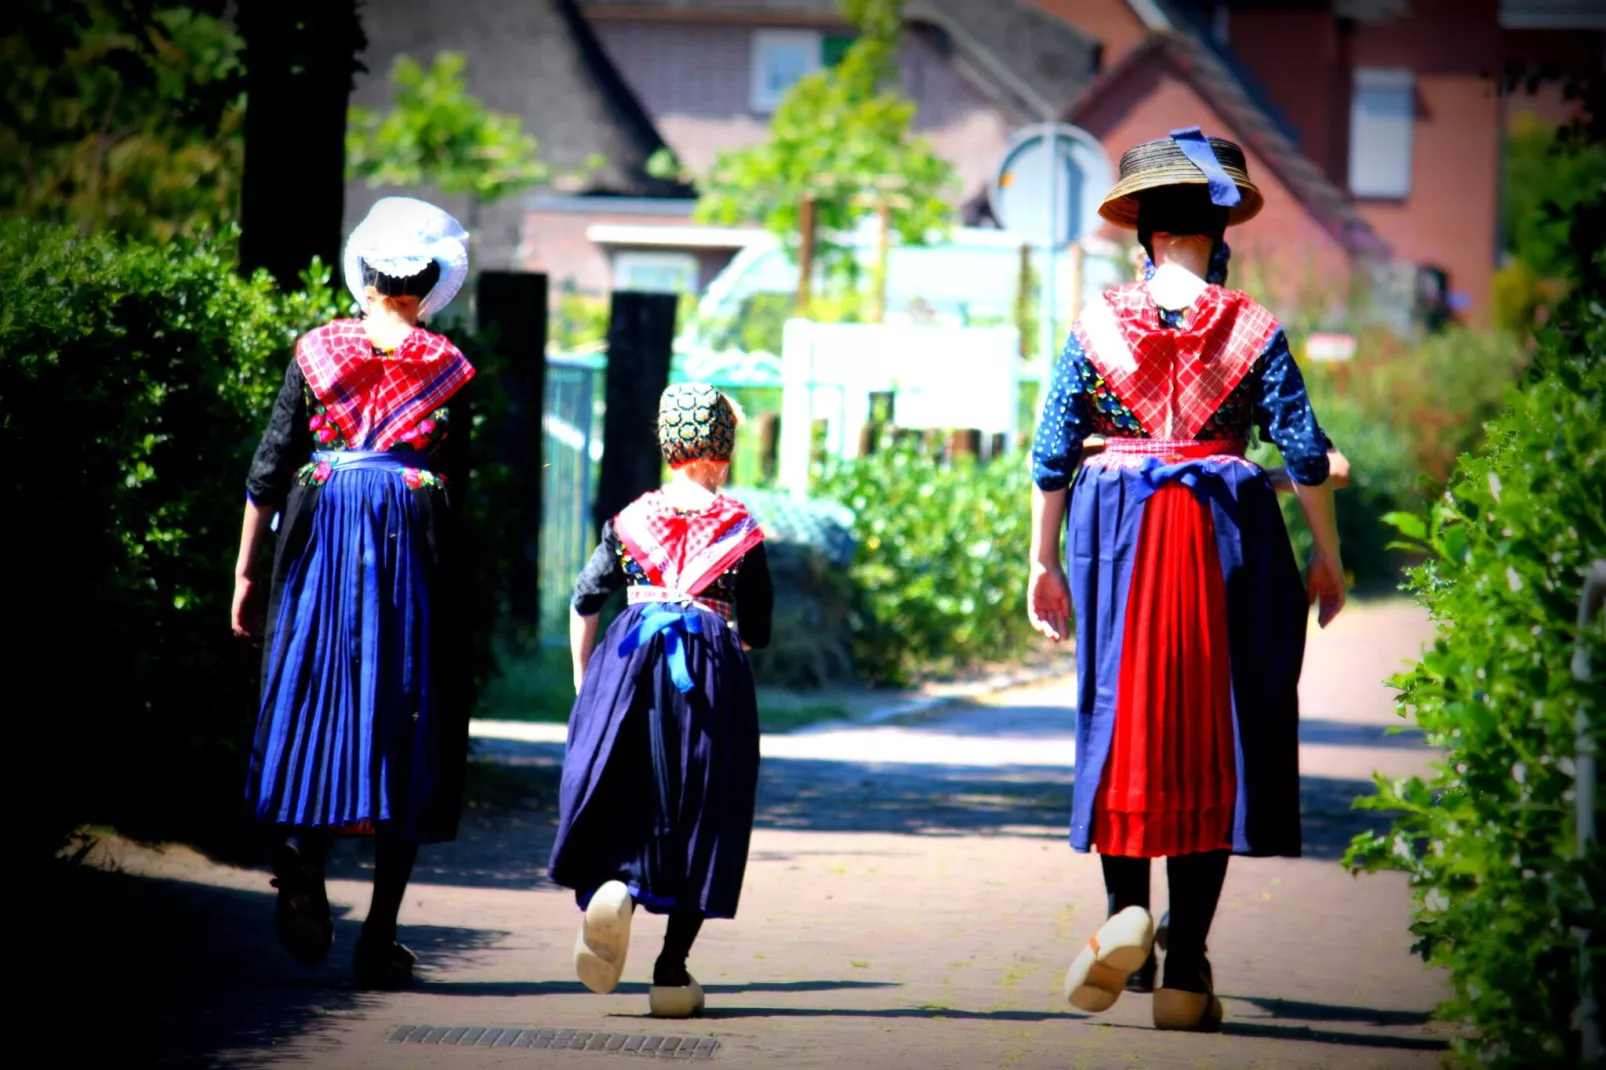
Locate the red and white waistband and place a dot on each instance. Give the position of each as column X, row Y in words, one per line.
column 638, row 593
column 1135, row 452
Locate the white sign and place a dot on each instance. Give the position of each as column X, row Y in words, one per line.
column 945, row 378
column 1330, row 347
column 1046, row 205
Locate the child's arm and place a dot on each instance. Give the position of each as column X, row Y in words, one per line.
column 582, row 641
column 601, row 577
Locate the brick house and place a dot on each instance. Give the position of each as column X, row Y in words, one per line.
column 709, row 73
column 1389, row 104
column 1373, row 125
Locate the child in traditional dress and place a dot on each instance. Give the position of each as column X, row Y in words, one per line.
column 661, row 769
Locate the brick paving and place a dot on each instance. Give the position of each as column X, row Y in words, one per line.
column 910, row 902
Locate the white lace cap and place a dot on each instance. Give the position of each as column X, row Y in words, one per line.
column 399, row 237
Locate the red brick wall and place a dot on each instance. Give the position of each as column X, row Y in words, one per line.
column 1450, row 217
column 1302, row 60
column 1111, row 22
column 693, row 79
column 1283, row 248
column 555, row 242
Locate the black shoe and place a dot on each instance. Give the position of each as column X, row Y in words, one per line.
column 1142, row 979
column 1162, row 932
column 383, row 964
column 301, row 916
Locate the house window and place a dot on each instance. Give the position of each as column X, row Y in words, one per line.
column 780, row 58
column 1381, row 123
column 655, row 272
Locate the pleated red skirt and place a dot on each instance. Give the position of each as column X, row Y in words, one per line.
column 1170, row 783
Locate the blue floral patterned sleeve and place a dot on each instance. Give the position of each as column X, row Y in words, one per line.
column 1057, row 446
column 1285, row 417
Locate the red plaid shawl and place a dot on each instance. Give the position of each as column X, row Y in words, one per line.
column 374, row 399
column 685, row 552
column 1174, row 380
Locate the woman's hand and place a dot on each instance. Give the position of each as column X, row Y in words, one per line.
column 1324, row 580
column 245, row 613
column 1048, row 601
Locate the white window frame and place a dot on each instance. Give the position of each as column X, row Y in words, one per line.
column 763, row 95
column 1382, row 128
column 626, row 262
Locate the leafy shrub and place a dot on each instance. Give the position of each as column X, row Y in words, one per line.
column 148, row 372
column 941, row 559
column 1434, row 394
column 1488, row 840
column 811, row 644
column 1382, row 481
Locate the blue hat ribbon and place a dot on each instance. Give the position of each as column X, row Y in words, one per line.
column 1196, row 147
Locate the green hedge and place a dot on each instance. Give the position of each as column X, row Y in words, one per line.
column 1488, row 839
column 150, row 370
column 144, row 375
column 941, row 559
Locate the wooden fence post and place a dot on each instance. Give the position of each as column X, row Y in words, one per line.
column 514, row 305
column 641, row 337
column 769, row 446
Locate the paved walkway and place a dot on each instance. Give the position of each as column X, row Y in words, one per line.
column 910, row 902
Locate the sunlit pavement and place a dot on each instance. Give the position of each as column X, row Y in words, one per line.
column 910, row 901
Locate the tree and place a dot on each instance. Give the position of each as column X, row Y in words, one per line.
column 122, row 117
column 300, row 57
column 439, row 134
column 841, row 137
column 1548, row 175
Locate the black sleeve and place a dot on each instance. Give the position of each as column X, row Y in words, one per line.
column 755, row 599
column 601, row 577
column 285, row 445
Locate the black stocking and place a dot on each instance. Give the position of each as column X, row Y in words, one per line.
column 1126, row 882
column 1195, row 881
column 670, row 970
column 312, row 846
column 393, row 867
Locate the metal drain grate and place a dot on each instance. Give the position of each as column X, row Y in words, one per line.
column 465, row 1036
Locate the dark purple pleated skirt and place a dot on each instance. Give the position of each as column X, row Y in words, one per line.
column 659, row 786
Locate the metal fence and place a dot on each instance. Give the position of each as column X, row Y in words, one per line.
column 570, row 426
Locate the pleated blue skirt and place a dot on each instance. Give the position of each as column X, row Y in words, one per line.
column 351, row 734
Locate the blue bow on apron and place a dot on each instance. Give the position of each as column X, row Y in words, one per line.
column 1202, row 475
column 677, row 621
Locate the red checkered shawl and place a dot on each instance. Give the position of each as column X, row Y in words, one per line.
column 373, row 399
column 1174, row 380
column 685, row 552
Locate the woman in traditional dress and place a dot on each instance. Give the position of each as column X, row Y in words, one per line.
column 364, row 715
column 1190, row 611
column 661, row 770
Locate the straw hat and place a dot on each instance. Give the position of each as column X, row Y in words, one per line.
column 1162, row 162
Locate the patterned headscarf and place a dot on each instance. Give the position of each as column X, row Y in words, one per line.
column 695, row 423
